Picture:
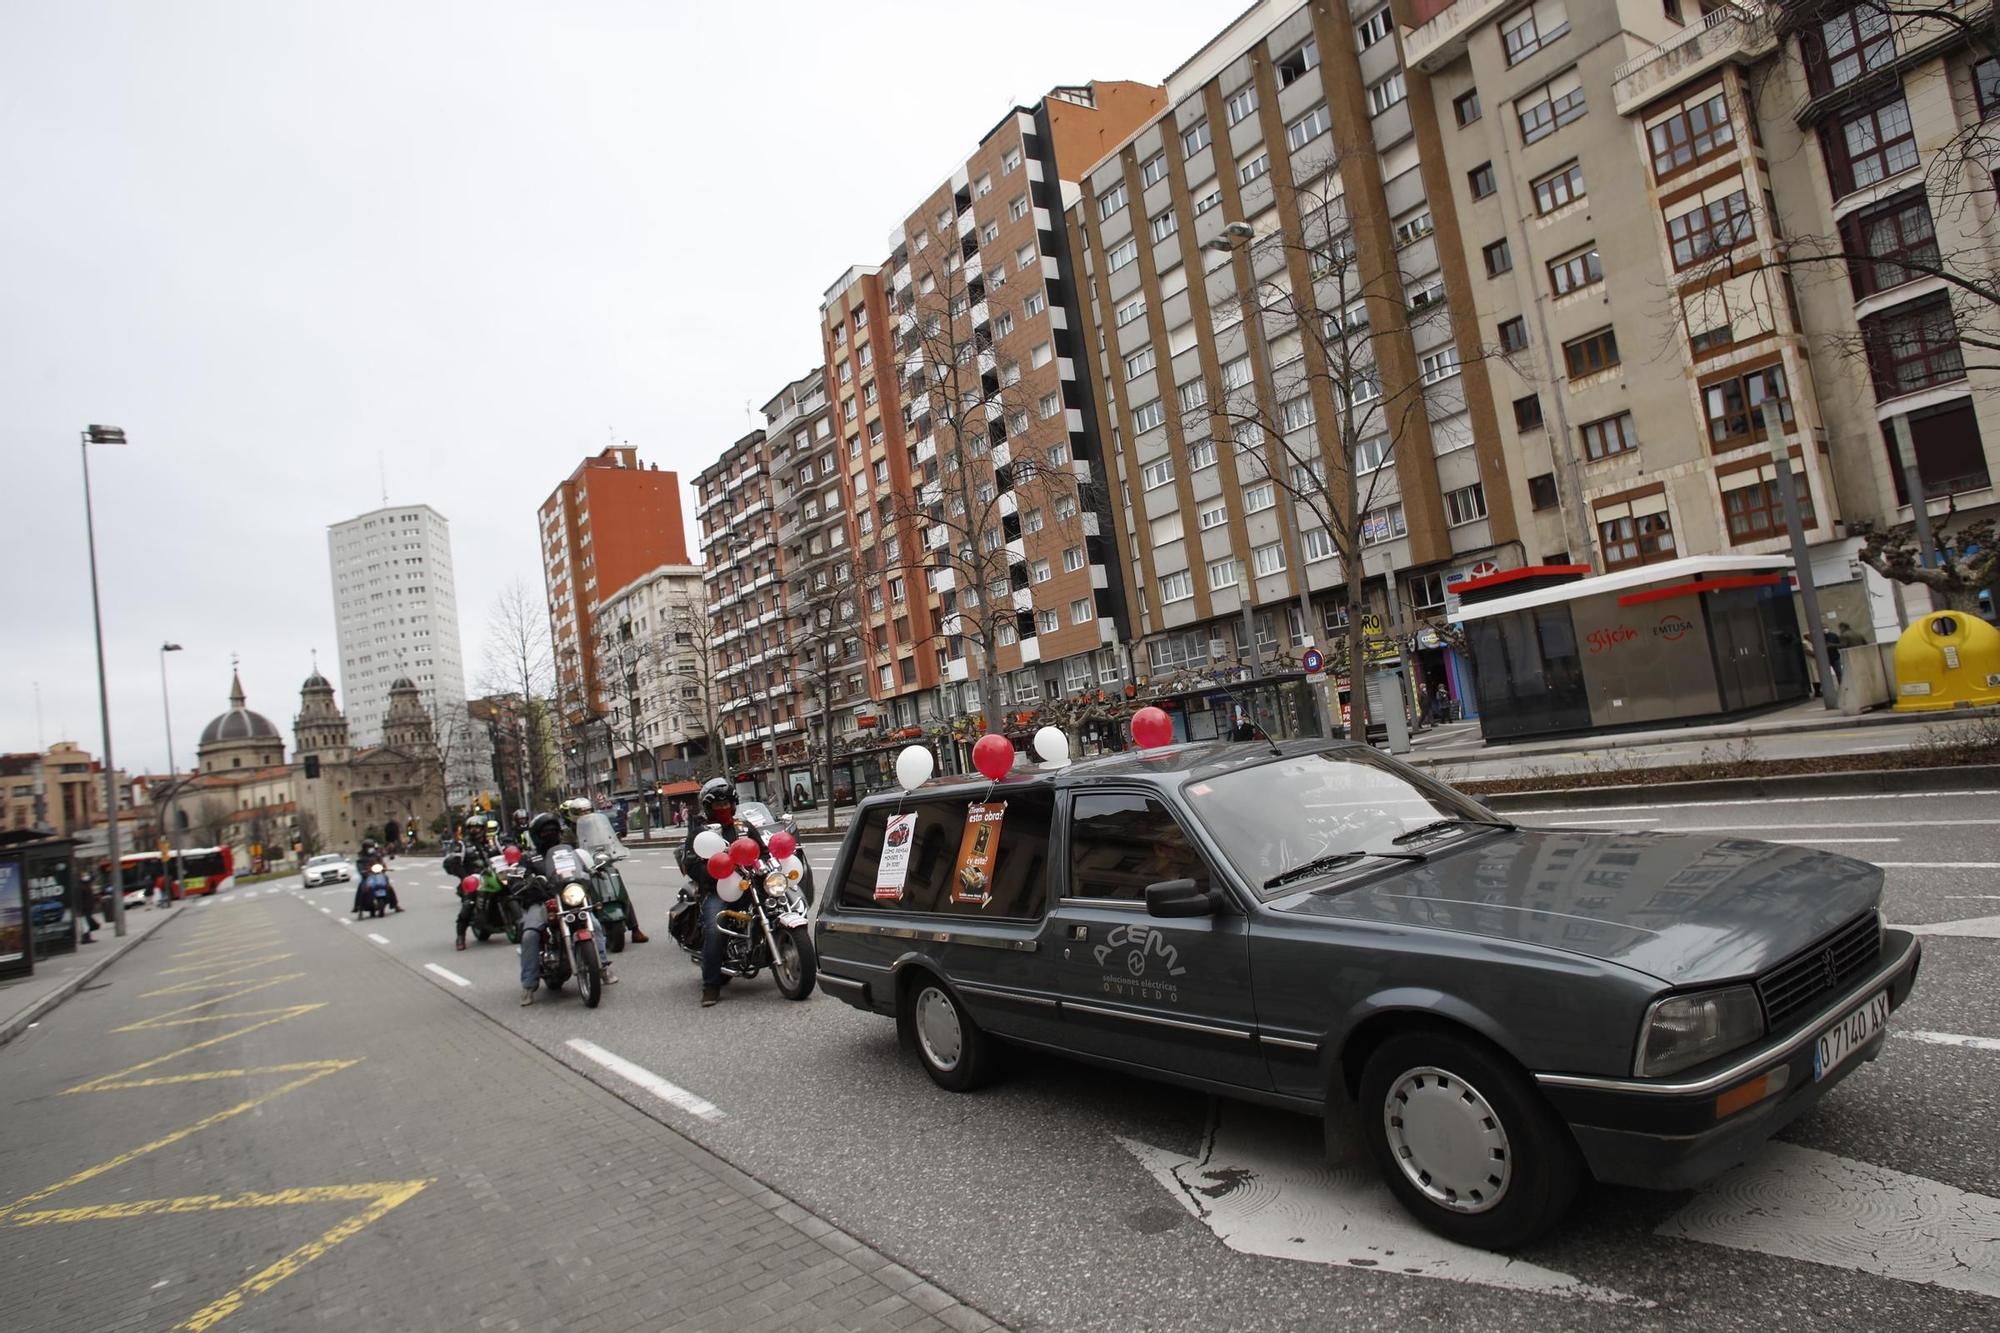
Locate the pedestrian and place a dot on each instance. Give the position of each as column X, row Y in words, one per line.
column 1837, row 639
column 87, row 903
column 156, row 888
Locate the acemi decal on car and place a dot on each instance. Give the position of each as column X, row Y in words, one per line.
column 1142, row 946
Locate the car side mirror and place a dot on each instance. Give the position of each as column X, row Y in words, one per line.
column 1180, row 897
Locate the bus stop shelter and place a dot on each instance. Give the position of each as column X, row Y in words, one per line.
column 1682, row 641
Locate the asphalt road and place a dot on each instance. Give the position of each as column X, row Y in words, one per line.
column 1057, row 1198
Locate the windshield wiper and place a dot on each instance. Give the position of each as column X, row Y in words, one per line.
column 1320, row 865
column 1442, row 825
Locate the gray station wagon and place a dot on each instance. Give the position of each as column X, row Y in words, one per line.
column 1315, row 926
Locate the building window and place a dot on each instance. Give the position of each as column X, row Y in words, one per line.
column 1153, row 170
column 1048, row 405
column 1756, row 512
column 1157, row 473
column 1017, row 208
column 1010, row 162
column 1194, row 138
column 1542, row 491
column 1464, row 505
column 1147, row 415
column 1032, row 521
column 1221, row 574
column 1241, row 102
column 1176, row 587
column 1986, row 87
column 1072, row 559
column 1513, row 334
column 1913, row 347
column 1081, row 612
column 1139, row 362
column 1297, row 413
column 1879, row 242
column 1841, row 49
column 1213, row 199
column 1259, row 165
column 1480, row 178
column 1711, row 228
column 1111, row 201
column 1591, row 353
column 1258, row 498
column 1309, row 126
column 1437, row 366
column 1131, row 310
column 1295, row 63
column 1575, row 272
column 1528, row 413
column 1193, row 396
column 1633, row 541
column 1372, row 29
column 1532, row 29
column 1550, row 107
column 1695, row 132
column 1612, row 435
column 1047, row 622
column 1269, row 559
column 1214, row 516
column 1734, row 405
column 1559, row 187
column 1869, row 145
column 1465, row 107
column 1413, row 227
column 1499, row 258
column 1382, row 525
column 1163, row 226
column 1040, row 571
column 1383, row 95
column 1122, row 254
column 1319, row 545
column 1033, row 305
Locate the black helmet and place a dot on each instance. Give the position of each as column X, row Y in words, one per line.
column 545, row 831
column 717, row 791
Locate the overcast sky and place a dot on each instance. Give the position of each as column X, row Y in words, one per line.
column 276, row 240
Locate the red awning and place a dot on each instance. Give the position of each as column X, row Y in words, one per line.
column 680, row 789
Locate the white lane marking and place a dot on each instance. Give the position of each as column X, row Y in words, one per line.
column 1981, row 897
column 671, row 1093
column 345, row 922
column 1799, row 1203
column 1796, row 828
column 327, row 910
column 1574, row 812
column 1260, row 1182
column 1978, row 927
column 379, row 939
column 447, row 974
column 1939, row 865
column 1954, row 1039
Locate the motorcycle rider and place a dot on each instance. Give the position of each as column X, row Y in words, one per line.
column 574, row 809
column 473, row 858
column 717, row 804
column 371, row 855
column 545, row 832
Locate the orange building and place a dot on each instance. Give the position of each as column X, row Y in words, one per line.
column 610, row 522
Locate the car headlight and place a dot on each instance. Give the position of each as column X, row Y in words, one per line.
column 1685, row 1030
column 573, row 895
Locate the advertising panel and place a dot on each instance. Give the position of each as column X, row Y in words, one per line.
column 1646, row 661
column 49, row 906
column 13, row 918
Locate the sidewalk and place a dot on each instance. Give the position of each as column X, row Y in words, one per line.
column 23, row 1002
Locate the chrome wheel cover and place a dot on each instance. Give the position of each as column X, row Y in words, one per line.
column 1448, row 1140
column 937, row 1029
column 786, row 965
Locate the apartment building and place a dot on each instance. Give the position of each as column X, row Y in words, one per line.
column 395, row 604
column 610, row 522
column 650, row 635
column 1190, row 231
column 745, row 592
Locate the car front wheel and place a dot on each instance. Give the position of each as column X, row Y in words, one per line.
column 1465, row 1142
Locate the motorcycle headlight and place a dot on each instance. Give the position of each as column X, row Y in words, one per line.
column 573, row 895
column 775, row 882
column 375, row 869
column 1685, row 1030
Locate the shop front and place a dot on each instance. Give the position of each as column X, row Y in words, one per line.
column 1680, row 641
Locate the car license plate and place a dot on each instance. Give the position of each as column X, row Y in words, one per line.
column 791, row 919
column 1849, row 1035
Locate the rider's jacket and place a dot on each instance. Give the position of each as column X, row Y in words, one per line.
column 696, row 867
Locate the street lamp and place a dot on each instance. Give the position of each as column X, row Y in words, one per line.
column 173, row 774
column 104, row 435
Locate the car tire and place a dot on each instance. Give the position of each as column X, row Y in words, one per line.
column 949, row 1045
column 1464, row 1140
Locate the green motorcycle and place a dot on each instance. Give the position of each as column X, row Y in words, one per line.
column 491, row 885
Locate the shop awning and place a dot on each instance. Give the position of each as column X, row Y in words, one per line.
column 680, row 789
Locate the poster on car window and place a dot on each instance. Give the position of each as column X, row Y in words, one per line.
column 977, row 851
column 895, row 866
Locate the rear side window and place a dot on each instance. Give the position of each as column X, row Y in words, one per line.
column 1119, row 842
column 1001, row 871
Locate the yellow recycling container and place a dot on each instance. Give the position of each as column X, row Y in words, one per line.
column 1949, row 659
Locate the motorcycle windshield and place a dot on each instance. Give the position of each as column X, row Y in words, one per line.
column 594, row 831
column 565, row 865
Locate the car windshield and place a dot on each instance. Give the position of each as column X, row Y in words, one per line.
column 756, row 812
column 326, row 859
column 1298, row 819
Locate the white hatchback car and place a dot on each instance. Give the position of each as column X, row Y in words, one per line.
column 326, row 868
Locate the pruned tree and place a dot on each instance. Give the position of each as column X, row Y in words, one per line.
column 520, row 662
column 1323, row 310
column 829, row 645
column 684, row 659
column 211, row 820
column 1967, row 562
column 988, row 440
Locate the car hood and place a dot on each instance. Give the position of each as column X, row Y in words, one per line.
column 1683, row 907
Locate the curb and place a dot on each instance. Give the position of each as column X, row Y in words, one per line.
column 1857, row 782
column 34, row 1013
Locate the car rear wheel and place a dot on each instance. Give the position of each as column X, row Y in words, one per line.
column 1464, row 1140
column 950, row 1046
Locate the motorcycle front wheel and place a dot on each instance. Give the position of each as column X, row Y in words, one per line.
column 482, row 934
column 796, row 967
column 589, row 974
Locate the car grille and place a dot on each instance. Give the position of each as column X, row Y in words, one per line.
column 1795, row 986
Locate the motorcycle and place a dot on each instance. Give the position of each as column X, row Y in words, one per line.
column 568, row 947
column 375, row 891
column 494, row 911
column 598, row 844
column 764, row 924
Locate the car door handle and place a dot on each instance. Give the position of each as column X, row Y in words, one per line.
column 1079, row 932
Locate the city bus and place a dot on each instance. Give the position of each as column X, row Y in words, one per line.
column 204, row 870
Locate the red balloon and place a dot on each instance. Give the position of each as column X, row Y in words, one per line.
column 1151, row 727
column 783, row 844
column 720, row 865
column 512, row 856
column 469, row 885
column 744, row 851
column 993, row 755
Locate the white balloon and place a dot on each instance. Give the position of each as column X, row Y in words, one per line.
column 914, row 767
column 793, row 867
column 729, row 888
column 708, row 842
column 1052, row 746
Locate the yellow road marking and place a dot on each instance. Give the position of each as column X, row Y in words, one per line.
column 247, row 988
column 188, row 987
column 234, row 944
column 167, row 1021
column 390, row 1196
column 168, row 1140
column 105, row 1082
column 230, row 967
column 209, row 1075
column 216, row 1203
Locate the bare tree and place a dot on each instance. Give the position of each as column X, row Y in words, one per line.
column 829, row 645
column 211, row 820
column 1967, row 562
column 520, row 662
column 1323, row 311
column 988, row 441
column 684, row 660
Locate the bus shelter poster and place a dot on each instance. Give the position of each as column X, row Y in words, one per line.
column 13, row 914
column 973, row 884
column 895, row 867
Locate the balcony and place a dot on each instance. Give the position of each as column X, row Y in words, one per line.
column 1740, row 32
column 1433, row 45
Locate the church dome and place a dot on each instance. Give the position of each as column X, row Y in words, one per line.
column 239, row 723
column 316, row 682
column 403, row 683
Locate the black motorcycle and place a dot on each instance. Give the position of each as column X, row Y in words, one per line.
column 767, row 926
column 569, row 948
